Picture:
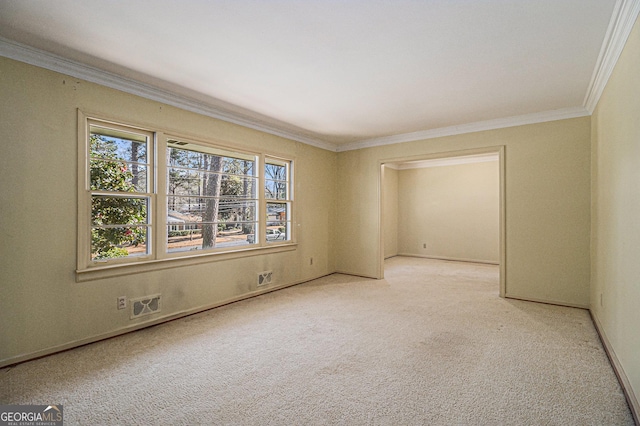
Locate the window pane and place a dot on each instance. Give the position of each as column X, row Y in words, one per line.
column 177, row 157
column 275, row 190
column 113, row 210
column 275, row 172
column 108, row 147
column 198, row 236
column 196, row 183
column 112, row 175
column 236, row 210
column 211, row 199
column 224, row 209
column 277, row 231
column 278, row 222
column 185, row 205
column 112, row 242
column 237, row 166
column 238, row 186
column 277, row 212
column 184, row 182
column 276, row 180
column 118, row 163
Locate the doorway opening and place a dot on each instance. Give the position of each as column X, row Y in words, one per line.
column 447, row 206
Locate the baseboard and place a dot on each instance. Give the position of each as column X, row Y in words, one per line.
column 124, row 330
column 634, row 406
column 453, row 259
column 353, row 274
column 547, row 302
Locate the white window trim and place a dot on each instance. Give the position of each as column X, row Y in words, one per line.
column 289, row 164
column 159, row 258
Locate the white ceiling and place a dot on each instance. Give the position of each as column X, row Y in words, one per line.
column 339, row 72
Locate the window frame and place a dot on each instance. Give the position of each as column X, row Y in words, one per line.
column 215, row 150
column 158, row 256
column 86, row 194
column 286, row 201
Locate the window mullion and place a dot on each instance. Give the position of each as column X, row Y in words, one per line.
column 262, row 202
column 161, row 208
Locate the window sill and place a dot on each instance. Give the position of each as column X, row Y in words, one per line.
column 108, row 271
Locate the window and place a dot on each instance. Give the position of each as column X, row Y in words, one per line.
column 118, row 184
column 277, row 192
column 211, row 198
column 145, row 197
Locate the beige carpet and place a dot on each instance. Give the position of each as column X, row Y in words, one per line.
column 432, row 344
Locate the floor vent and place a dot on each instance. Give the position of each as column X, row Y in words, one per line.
column 145, row 306
column 264, row 278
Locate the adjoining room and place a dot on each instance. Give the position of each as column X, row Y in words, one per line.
column 444, row 208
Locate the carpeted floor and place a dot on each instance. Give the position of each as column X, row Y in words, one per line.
column 432, row 344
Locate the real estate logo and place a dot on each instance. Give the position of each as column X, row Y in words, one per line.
column 31, row 415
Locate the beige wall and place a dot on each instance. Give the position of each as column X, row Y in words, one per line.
column 615, row 283
column 454, row 210
column 390, row 214
column 42, row 307
column 547, row 172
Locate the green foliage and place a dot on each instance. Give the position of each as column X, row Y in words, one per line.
column 109, row 174
column 232, row 185
column 113, row 252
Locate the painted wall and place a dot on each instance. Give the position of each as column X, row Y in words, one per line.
column 42, row 307
column 390, row 214
column 454, row 210
column 615, row 283
column 547, row 206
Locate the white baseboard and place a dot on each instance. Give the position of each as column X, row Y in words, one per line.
column 454, row 259
column 617, row 368
column 547, row 302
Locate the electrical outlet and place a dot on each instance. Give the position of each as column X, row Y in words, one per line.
column 424, row 245
column 311, row 261
column 122, row 302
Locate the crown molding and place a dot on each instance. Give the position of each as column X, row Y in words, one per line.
column 52, row 62
column 479, row 126
column 623, row 18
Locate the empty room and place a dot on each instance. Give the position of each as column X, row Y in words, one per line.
column 320, row 212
